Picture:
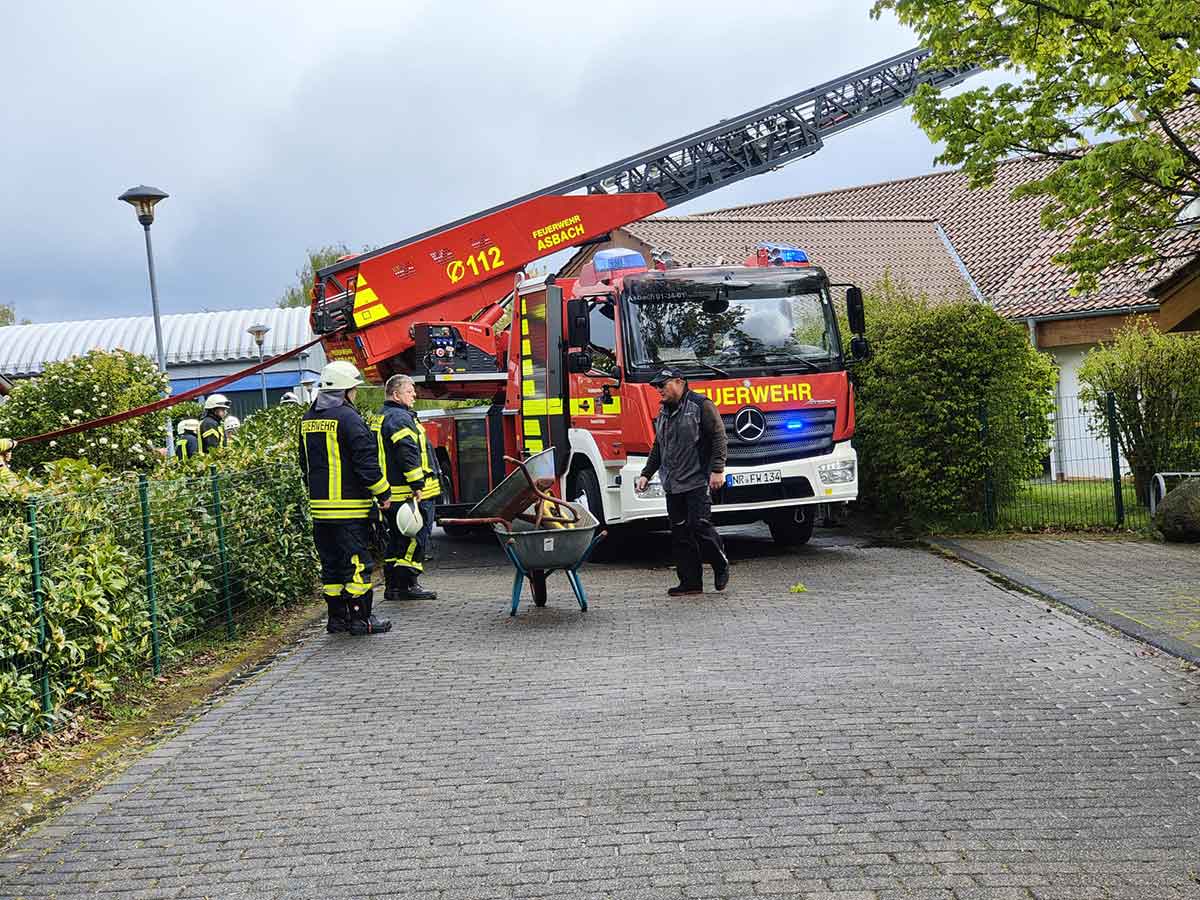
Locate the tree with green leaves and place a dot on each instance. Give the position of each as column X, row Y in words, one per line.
column 8, row 316
column 300, row 294
column 1106, row 89
column 1155, row 382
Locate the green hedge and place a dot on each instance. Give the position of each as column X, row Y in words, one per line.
column 93, row 561
column 937, row 369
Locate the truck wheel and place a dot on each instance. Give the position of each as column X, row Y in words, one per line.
column 584, row 483
column 787, row 532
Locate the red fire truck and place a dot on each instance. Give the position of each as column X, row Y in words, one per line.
column 566, row 363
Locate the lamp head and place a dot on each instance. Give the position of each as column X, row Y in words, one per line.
column 142, row 198
column 259, row 332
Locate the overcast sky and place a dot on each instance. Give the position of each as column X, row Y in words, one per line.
column 277, row 127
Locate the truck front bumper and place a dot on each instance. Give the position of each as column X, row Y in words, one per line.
column 831, row 478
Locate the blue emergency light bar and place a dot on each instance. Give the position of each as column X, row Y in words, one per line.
column 782, row 253
column 612, row 260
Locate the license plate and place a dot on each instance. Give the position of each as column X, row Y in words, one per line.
column 773, row 476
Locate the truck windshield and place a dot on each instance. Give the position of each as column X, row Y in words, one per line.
column 732, row 325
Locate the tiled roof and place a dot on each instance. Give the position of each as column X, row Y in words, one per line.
column 857, row 250
column 990, row 231
column 998, row 238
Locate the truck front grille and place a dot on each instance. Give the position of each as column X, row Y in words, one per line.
column 810, row 434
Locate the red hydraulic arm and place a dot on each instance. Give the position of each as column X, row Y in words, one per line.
column 453, row 274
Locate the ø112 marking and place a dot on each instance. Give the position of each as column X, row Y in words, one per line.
column 476, row 264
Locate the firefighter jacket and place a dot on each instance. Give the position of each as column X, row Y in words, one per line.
column 340, row 460
column 212, row 433
column 405, row 453
column 187, row 445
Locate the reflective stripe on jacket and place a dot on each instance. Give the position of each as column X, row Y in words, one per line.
column 187, row 446
column 340, row 463
column 408, row 460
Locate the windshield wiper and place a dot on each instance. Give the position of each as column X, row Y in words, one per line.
column 710, row 368
column 785, row 361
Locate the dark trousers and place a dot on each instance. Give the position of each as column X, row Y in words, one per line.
column 693, row 537
column 409, row 552
column 344, row 548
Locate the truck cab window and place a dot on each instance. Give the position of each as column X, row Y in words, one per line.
column 604, row 338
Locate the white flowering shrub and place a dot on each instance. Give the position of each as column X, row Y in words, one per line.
column 77, row 390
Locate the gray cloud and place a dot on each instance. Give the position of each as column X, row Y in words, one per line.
column 279, row 127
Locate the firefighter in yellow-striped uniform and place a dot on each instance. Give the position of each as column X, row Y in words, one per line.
column 188, row 444
column 340, row 460
column 412, row 470
column 212, row 426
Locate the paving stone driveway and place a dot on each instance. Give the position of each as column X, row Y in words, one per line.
column 1144, row 588
column 905, row 728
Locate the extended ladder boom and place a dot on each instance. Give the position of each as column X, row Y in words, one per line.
column 450, row 272
column 754, row 142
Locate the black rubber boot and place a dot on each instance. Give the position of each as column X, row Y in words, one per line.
column 408, row 588
column 391, row 582
column 337, row 623
column 361, row 620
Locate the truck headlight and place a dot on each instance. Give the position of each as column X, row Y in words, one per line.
column 838, row 472
column 654, row 491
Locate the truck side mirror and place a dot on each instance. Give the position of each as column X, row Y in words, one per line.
column 859, row 348
column 854, row 310
column 579, row 362
column 579, row 325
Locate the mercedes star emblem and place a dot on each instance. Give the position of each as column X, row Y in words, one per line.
column 749, row 424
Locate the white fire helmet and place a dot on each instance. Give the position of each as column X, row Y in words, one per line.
column 216, row 401
column 408, row 518
column 186, row 425
column 232, row 423
column 340, row 375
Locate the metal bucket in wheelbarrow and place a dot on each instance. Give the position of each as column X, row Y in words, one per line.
column 550, row 548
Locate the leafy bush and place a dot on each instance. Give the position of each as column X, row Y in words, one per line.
column 93, row 565
column 86, row 387
column 1155, row 382
column 925, row 457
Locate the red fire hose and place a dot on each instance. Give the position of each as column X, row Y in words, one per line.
column 166, row 401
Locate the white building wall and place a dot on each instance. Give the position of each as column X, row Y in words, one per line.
column 1078, row 450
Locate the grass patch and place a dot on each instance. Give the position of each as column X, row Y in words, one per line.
column 1070, row 505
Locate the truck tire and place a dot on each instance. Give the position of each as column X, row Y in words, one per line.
column 584, row 483
column 787, row 532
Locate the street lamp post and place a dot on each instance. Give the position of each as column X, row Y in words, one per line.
column 301, row 365
column 142, row 199
column 259, row 332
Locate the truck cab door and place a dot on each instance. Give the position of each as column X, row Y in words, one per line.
column 595, row 395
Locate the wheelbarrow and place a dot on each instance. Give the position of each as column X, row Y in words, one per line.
column 538, row 532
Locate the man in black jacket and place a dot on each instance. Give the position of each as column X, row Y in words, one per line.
column 689, row 449
column 412, row 471
column 340, row 459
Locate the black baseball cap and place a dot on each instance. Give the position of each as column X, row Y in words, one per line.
column 665, row 375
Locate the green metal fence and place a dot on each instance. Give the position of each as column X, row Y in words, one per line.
column 122, row 580
column 1086, row 483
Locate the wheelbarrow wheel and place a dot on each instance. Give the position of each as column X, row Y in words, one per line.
column 537, row 582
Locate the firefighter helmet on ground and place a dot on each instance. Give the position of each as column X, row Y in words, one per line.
column 408, row 518
column 216, row 401
column 340, row 375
